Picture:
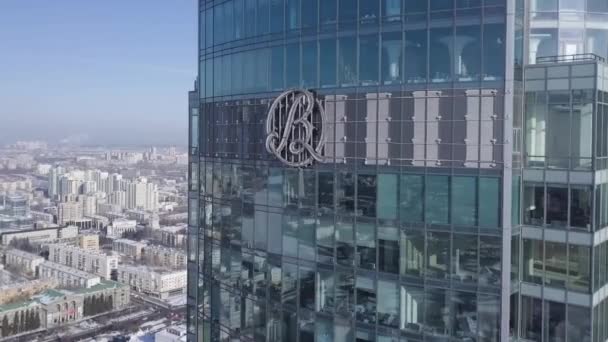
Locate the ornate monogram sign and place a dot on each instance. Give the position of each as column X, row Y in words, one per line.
column 295, row 128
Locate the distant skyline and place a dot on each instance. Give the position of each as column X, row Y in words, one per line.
column 113, row 71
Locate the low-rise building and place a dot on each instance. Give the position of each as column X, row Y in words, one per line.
column 174, row 333
column 172, row 236
column 67, row 276
column 164, row 256
column 24, row 289
column 130, row 248
column 155, row 282
column 40, row 235
column 121, row 226
column 24, row 261
column 95, row 262
column 30, row 310
column 89, row 241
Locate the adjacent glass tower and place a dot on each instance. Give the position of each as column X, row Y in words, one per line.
column 405, row 231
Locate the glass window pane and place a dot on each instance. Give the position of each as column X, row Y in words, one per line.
column 263, row 22
column 276, row 15
column 369, row 11
column 489, row 260
column 387, row 196
column 412, row 308
column 327, row 62
column 293, row 14
column 533, row 261
column 277, row 68
column 292, row 57
column 489, row 318
column 556, row 261
column 437, row 200
column 368, row 59
column 309, row 64
column 579, row 323
column 441, row 42
column 555, row 320
column 391, row 61
column 388, row 303
column 557, row 206
column 438, row 255
column 347, row 66
column 309, row 13
column 388, row 249
column 465, row 316
column 489, row 202
column 348, row 11
column 366, row 244
column 436, row 310
column 493, row 51
column 534, row 204
column 468, row 53
column 345, row 244
column 464, row 258
column 579, row 274
column 345, row 293
column 412, row 253
column 327, row 12
column 325, row 293
column 366, row 195
column 415, row 69
column 531, row 318
column 411, row 191
column 464, row 206
column 307, row 288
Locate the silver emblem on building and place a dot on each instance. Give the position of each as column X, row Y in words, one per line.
column 295, row 128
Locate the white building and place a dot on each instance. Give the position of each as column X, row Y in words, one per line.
column 89, row 241
column 68, row 211
column 142, row 195
column 174, row 333
column 155, row 282
column 121, row 226
column 41, row 235
column 130, row 248
column 27, row 262
column 90, row 261
column 67, row 276
column 164, row 256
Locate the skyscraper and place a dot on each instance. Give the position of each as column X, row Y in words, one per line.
column 387, row 170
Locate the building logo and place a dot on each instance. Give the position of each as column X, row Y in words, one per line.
column 295, row 128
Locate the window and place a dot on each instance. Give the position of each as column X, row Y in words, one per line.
column 309, row 13
column 411, row 191
column 464, row 202
column 579, row 325
column 436, row 308
column 293, row 14
column 556, row 273
column 309, row 64
column 440, row 52
column 489, row 202
column 366, row 195
column 438, row 254
column 489, row 317
column 391, row 55
column 368, row 59
column 388, row 249
column 327, row 61
column 387, row 196
column 490, row 260
column 468, row 53
column 325, row 293
column 388, row 303
column 347, row 67
column 415, row 69
column 579, row 273
column 345, row 293
column 465, row 315
column 412, row 308
column 437, row 200
column 464, row 258
column 276, row 15
column 277, row 67
column 344, row 242
column 533, row 261
column 557, row 206
column 531, row 318
column 366, row 244
column 534, row 204
column 292, row 76
column 325, row 238
column 493, row 52
column 412, row 253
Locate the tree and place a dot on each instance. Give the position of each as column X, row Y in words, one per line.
column 22, row 322
column 36, row 320
column 5, row 326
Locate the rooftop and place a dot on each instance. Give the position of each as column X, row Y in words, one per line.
column 68, row 269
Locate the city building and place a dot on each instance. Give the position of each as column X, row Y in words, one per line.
column 165, row 256
column 23, row 261
column 91, row 261
column 156, row 282
column 39, row 235
column 12, row 292
column 11, row 313
column 121, row 226
column 88, row 241
column 15, row 205
column 174, row 333
column 67, row 276
column 68, row 211
column 130, row 248
column 172, row 236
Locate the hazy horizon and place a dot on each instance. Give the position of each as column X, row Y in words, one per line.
column 112, row 72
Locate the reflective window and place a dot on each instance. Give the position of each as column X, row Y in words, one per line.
column 464, row 258
column 555, row 320
column 438, row 255
column 292, row 14
column 531, row 318
column 534, row 204
column 411, row 191
column 388, row 303
column 464, row 201
column 366, row 195
column 387, row 196
column 327, row 12
column 263, row 22
column 557, row 206
column 412, row 253
column 437, row 200
column 415, row 69
column 368, row 58
column 391, row 57
column 493, row 51
column 465, row 315
column 412, row 308
column 277, row 67
column 276, row 15
column 345, row 293
column 347, row 64
column 388, row 249
column 467, row 46
column 556, row 262
column 533, row 261
column 436, row 309
column 579, row 273
column 345, row 242
column 441, row 42
column 579, row 323
column 489, row 318
column 309, row 13
column 309, row 64
column 366, row 244
column 490, row 260
column 292, row 57
column 489, row 202
column 327, row 61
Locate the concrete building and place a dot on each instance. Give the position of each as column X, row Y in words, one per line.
column 24, row 261
column 172, row 236
column 174, row 333
column 39, row 216
column 28, row 308
column 16, row 205
column 121, row 226
column 67, row 276
column 68, row 211
column 20, row 290
column 155, row 282
column 95, row 262
column 130, row 248
column 88, row 204
column 89, row 241
column 165, row 256
column 40, row 235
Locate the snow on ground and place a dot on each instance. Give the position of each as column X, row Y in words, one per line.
column 176, row 300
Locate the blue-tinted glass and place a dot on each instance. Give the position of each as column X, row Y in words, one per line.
column 209, row 77
column 415, row 6
column 391, row 57
column 226, row 73
column 464, row 204
column 347, row 67
column 442, row 5
column 387, row 196
column 415, row 59
column 239, row 20
column 347, row 11
column 309, row 64
column 328, row 10
column 493, row 51
column 309, row 13
column 277, row 67
column 217, row 79
column 327, row 62
column 292, row 71
column 293, row 14
column 369, row 11
column 218, row 21
column 277, row 11
column 489, row 202
column 262, row 68
column 411, row 191
column 250, row 72
column 391, row 10
column 229, row 20
column 467, row 48
column 209, row 27
column 201, row 31
column 437, row 199
column 441, row 41
column 249, row 17
column 263, row 22
column 368, row 59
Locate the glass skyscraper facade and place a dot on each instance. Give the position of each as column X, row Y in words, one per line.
column 462, row 188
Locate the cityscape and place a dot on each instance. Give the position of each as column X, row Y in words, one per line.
column 304, row 171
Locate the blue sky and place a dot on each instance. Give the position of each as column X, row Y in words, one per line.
column 117, row 71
